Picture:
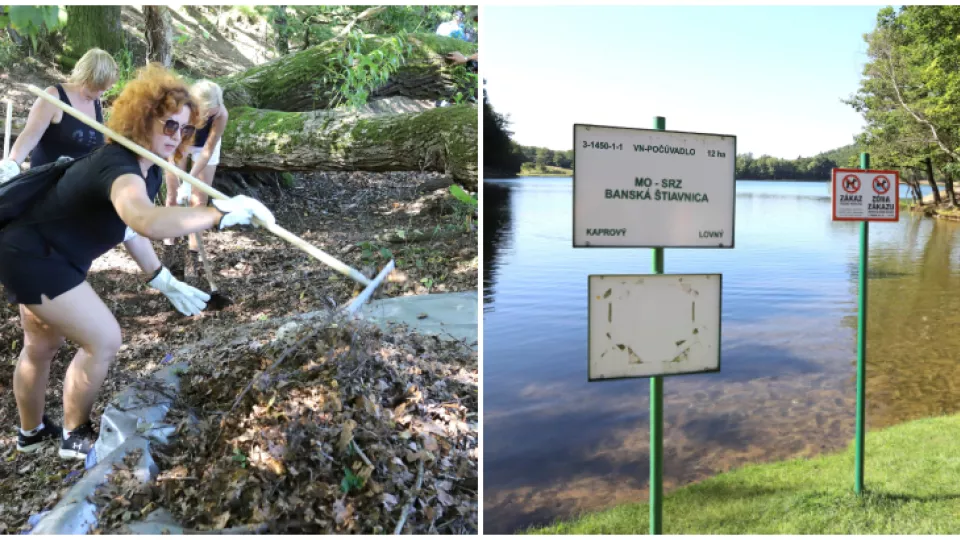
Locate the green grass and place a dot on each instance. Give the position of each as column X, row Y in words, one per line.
column 912, row 485
column 529, row 169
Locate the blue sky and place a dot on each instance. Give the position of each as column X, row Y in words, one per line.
column 774, row 76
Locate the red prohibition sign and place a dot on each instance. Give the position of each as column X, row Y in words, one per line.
column 851, row 183
column 881, row 185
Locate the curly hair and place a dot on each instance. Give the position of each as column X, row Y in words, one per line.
column 155, row 94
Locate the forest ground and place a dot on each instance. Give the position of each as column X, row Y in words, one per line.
column 409, row 402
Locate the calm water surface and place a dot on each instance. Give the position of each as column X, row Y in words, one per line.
column 556, row 445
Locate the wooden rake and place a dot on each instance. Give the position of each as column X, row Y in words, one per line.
column 313, row 251
column 6, row 129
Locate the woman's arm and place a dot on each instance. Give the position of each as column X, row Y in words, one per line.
column 457, row 57
column 41, row 114
column 171, row 181
column 143, row 253
column 216, row 132
column 129, row 196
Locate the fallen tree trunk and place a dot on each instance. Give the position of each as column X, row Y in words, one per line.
column 424, row 139
column 308, row 80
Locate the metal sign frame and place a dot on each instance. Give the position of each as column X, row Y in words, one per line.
column 719, row 277
column 836, row 172
column 733, row 188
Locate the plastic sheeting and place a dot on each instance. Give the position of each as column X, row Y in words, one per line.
column 130, row 422
column 444, row 315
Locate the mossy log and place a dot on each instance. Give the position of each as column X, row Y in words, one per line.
column 428, row 139
column 307, row 80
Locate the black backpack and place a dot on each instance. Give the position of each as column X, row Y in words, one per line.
column 20, row 193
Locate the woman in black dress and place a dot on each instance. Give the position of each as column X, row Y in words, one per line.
column 103, row 199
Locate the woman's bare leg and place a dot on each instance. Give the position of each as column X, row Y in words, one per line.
column 40, row 344
column 173, row 184
column 83, row 318
column 199, row 198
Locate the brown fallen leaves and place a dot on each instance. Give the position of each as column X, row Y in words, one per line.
column 339, row 212
column 330, row 441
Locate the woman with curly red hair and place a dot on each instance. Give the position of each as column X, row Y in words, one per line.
column 103, row 199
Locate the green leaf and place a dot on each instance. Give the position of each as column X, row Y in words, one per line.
column 386, row 253
column 462, row 195
column 51, row 17
column 21, row 18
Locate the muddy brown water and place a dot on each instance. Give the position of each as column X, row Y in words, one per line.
column 556, row 445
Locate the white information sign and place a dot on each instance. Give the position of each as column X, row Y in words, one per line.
column 652, row 325
column 649, row 188
column 860, row 195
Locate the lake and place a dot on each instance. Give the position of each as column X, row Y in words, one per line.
column 555, row 445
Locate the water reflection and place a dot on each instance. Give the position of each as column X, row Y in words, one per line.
column 496, row 228
column 555, row 445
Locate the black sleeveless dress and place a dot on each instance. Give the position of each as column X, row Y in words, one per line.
column 202, row 134
column 70, row 137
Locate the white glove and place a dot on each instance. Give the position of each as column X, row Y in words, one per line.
column 8, row 169
column 183, row 193
column 241, row 210
column 129, row 234
column 188, row 300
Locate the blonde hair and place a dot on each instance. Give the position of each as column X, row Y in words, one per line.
column 96, row 70
column 208, row 94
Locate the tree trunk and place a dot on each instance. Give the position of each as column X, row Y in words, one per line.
column 371, row 139
column 91, row 27
column 933, row 183
column 159, row 34
column 948, row 180
column 915, row 190
column 280, row 25
column 302, row 81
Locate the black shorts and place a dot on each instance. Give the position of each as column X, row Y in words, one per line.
column 30, row 267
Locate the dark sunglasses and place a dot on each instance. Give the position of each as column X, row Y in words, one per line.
column 171, row 126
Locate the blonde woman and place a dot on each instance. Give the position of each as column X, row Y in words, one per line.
column 49, row 133
column 204, row 153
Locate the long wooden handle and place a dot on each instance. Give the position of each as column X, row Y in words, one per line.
column 206, row 264
column 6, row 130
column 209, row 190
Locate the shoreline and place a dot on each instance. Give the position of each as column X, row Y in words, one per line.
column 910, row 490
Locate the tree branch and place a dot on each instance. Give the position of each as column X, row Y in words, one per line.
column 896, row 89
column 366, row 14
column 413, row 498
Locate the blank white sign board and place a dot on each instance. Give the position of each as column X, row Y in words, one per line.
column 652, row 325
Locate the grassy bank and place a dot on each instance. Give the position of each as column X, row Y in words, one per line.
column 912, row 478
column 529, row 169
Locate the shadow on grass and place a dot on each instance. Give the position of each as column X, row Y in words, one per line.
column 730, row 492
column 901, row 498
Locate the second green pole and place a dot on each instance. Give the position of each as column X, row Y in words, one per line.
column 862, row 341
column 656, row 410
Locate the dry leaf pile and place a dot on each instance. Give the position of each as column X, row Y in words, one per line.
column 356, row 430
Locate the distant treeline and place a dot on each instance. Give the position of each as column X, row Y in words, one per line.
column 803, row 168
column 504, row 157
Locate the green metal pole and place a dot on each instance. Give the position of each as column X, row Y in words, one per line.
column 656, row 411
column 862, row 340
